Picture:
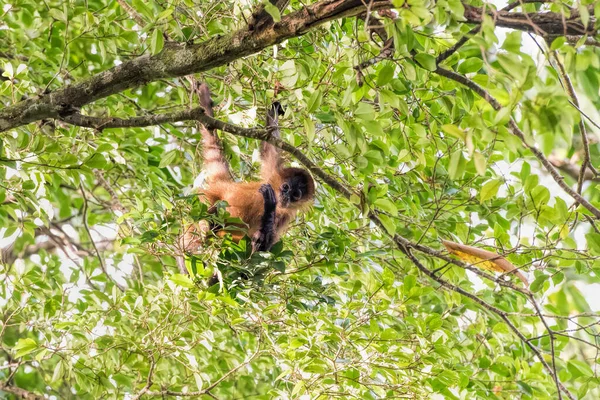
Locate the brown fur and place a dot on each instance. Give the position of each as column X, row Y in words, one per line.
column 243, row 198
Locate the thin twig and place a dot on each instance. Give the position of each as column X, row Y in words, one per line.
column 132, row 13
column 89, row 233
column 148, row 380
column 206, row 390
column 568, row 86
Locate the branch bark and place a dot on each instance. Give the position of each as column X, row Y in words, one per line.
column 177, row 60
column 20, row 393
column 545, row 23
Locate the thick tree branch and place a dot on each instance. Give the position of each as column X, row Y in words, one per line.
column 403, row 244
column 544, row 23
column 101, row 123
column 183, row 59
column 261, row 18
column 179, row 60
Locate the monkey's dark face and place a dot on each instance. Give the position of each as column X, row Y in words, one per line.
column 293, row 190
column 297, row 189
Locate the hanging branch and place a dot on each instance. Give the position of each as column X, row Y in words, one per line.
column 568, row 85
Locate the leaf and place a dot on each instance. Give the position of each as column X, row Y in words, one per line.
column 489, row 190
column 168, row 158
column 470, row 65
column 386, row 205
column 365, row 111
column 579, row 368
column 593, row 242
column 386, row 74
column 454, row 169
column 24, row 347
column 314, row 101
column 8, row 70
column 182, row 280
column 480, row 163
column 454, row 130
column 388, row 224
column 427, row 61
column 272, row 10
column 157, row 41
column 28, row 185
column 96, row 160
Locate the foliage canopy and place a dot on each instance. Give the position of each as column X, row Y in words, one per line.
column 421, row 121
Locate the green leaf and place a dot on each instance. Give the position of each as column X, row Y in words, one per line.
column 454, row 130
column 456, row 167
column 426, row 61
column 579, row 368
column 470, row 65
column 386, row 74
column 24, row 347
column 480, row 163
column 593, row 242
column 388, row 224
column 272, row 10
column 314, row 101
column 489, row 190
column 365, row 111
column 157, row 41
column 96, row 160
column 28, row 185
column 386, row 205
column 168, row 158
column 182, row 280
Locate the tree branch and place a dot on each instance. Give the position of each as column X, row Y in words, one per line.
column 586, row 164
column 264, row 135
column 573, row 170
column 547, row 23
column 177, row 60
column 132, row 13
column 20, row 393
column 206, row 391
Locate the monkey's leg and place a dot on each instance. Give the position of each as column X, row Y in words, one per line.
column 264, row 238
column 269, row 154
column 215, row 164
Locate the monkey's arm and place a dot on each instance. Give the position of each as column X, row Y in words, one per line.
column 215, row 164
column 270, row 155
column 264, row 238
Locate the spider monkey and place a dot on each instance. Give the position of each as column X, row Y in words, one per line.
column 266, row 211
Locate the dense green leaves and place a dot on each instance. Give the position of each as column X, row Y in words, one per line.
column 337, row 308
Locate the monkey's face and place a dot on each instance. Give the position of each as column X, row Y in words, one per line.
column 293, row 190
column 297, row 188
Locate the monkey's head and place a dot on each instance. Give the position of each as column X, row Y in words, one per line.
column 297, row 187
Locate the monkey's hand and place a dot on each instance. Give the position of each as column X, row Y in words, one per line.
column 264, row 238
column 269, row 196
